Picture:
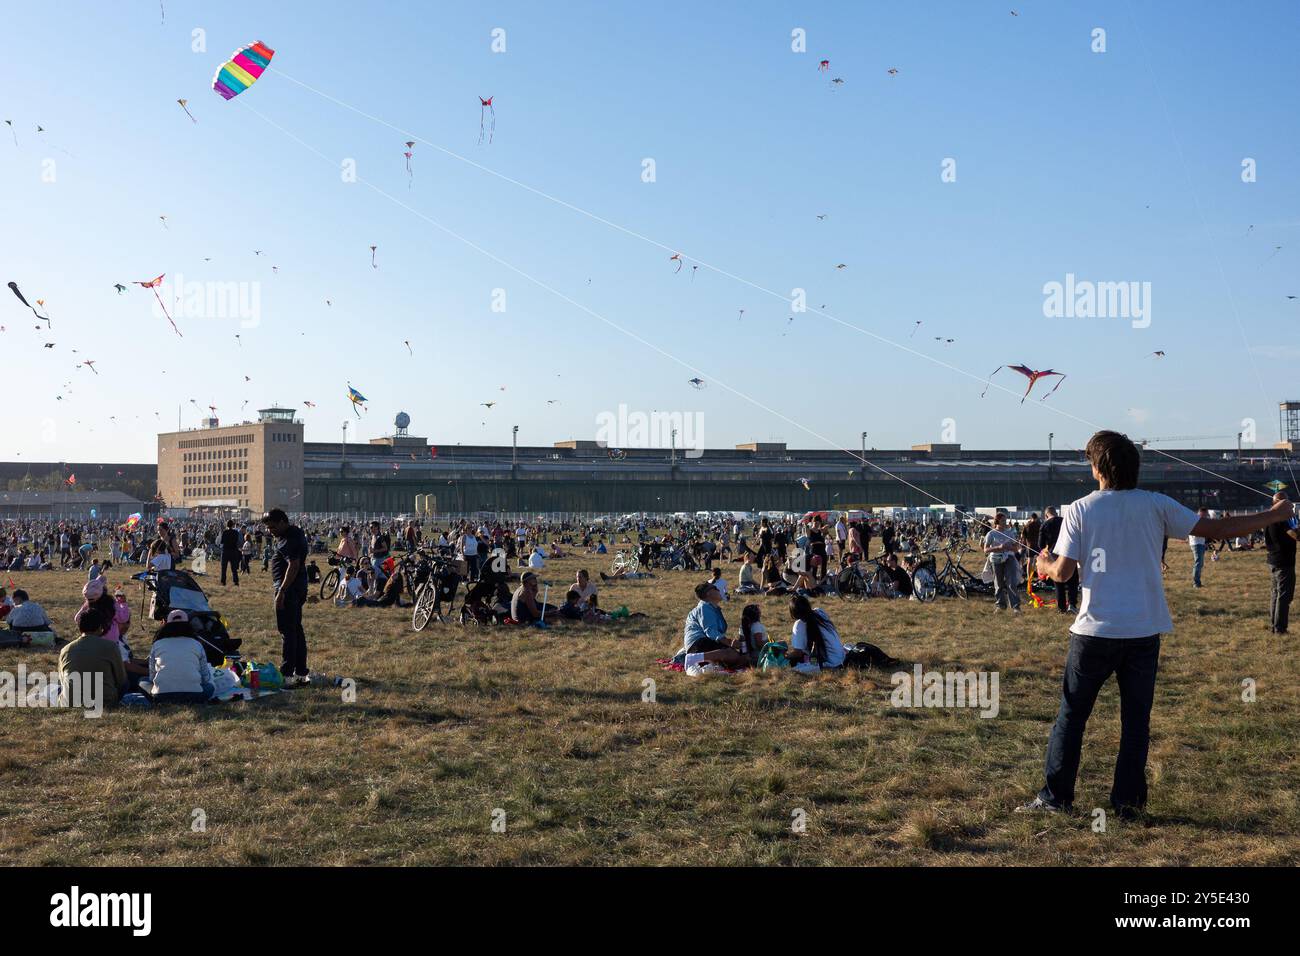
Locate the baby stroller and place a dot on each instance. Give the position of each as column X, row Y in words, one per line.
column 488, row 599
column 176, row 590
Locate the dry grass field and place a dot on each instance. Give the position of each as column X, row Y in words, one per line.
column 549, row 726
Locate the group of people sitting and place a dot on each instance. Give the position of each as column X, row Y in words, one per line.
column 176, row 669
column 815, row 644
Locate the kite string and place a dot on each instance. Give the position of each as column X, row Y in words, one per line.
column 717, row 269
column 1200, row 212
column 614, row 325
column 562, row 296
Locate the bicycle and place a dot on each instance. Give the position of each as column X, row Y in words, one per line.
column 624, row 563
column 329, row 583
column 431, row 581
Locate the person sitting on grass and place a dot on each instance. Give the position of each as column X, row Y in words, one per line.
column 391, row 596
column 715, row 577
column 814, row 642
column 524, row 607
column 745, row 580
column 27, row 615
column 900, row 580
column 706, row 630
column 91, row 655
column 753, row 635
column 179, row 672
column 350, row 589
column 573, row 609
column 773, row 580
column 586, row 589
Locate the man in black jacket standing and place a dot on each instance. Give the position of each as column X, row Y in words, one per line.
column 289, row 578
column 230, row 553
column 1280, row 540
column 1067, row 592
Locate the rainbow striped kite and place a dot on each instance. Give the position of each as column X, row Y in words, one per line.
column 242, row 69
column 131, row 522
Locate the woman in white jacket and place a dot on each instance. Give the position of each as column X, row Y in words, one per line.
column 179, row 671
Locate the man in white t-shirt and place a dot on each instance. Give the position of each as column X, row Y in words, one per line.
column 1114, row 537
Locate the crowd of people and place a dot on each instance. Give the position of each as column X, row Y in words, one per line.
column 1105, row 555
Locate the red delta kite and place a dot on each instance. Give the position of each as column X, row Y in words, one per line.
column 1028, row 373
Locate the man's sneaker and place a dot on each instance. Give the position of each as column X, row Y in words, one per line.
column 292, row 680
column 1038, row 805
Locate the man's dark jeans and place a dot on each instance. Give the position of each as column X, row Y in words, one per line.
column 230, row 559
column 1283, row 592
column 1088, row 666
column 1067, row 593
column 288, row 621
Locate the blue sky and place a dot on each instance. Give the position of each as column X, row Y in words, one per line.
column 1118, row 166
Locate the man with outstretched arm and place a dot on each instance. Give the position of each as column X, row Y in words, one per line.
column 1113, row 538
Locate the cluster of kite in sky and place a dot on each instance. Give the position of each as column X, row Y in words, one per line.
column 250, row 63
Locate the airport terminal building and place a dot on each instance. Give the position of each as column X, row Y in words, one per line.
column 257, row 465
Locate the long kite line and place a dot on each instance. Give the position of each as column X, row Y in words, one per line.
column 1196, row 201
column 654, row 242
column 976, row 519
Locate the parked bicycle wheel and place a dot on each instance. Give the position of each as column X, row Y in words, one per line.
column 329, row 583
column 425, row 598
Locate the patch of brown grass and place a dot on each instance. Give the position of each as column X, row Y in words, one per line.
column 457, row 727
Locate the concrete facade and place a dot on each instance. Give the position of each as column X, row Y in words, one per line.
column 252, row 466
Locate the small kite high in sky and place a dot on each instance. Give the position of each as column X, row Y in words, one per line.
column 1028, row 373
column 696, row 383
column 154, row 284
column 44, row 318
column 119, row 287
column 677, row 257
column 823, row 66
column 486, row 112
column 185, row 106
column 410, row 151
column 356, row 398
column 373, row 264
column 10, row 124
column 807, row 485
column 309, row 404
column 242, row 69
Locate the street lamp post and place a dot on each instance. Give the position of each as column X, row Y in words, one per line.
column 344, row 460
column 514, row 446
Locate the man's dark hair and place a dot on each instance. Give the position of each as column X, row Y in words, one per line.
column 704, row 588
column 1116, row 459
column 91, row 621
column 230, row 523
column 20, row 594
column 275, row 515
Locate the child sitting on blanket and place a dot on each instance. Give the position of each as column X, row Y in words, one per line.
column 179, row 671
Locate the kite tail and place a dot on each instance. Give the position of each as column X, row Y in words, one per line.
column 1054, row 388
column 165, row 312
column 989, row 383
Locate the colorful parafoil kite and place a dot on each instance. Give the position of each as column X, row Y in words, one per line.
column 356, row 398
column 242, row 69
